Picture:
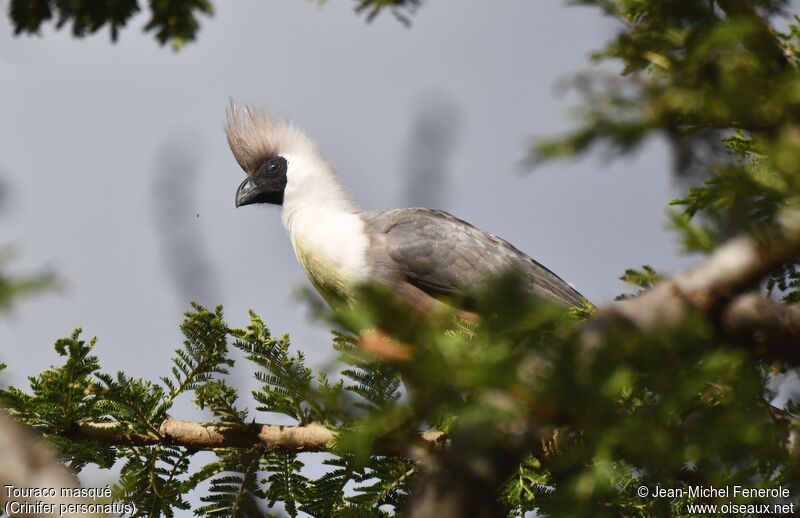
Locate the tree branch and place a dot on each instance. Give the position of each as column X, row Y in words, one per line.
column 768, row 328
column 27, row 463
column 207, row 436
column 713, row 289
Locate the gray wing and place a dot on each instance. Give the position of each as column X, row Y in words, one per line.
column 443, row 255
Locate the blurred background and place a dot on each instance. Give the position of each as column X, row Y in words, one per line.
column 115, row 172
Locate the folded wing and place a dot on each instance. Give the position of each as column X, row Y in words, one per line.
column 444, row 256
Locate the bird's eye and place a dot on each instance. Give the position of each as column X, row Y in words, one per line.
column 274, row 166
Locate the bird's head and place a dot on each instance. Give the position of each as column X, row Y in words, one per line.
column 280, row 160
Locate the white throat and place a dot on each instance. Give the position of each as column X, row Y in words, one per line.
column 324, row 225
column 311, row 186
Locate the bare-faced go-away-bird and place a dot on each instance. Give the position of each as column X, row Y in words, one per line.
column 424, row 255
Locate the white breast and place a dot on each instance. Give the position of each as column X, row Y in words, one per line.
column 331, row 245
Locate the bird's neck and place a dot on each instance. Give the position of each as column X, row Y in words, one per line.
column 313, row 191
column 327, row 232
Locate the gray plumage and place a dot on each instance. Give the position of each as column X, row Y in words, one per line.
column 445, row 256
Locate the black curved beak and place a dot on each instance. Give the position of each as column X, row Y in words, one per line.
column 247, row 193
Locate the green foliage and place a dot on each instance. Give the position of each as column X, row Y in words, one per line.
column 236, row 492
column 286, row 485
column 159, row 478
column 719, row 82
column 384, row 484
column 377, row 383
column 643, row 279
column 287, row 384
column 401, row 9
column 713, row 426
column 175, row 22
column 154, row 479
column 684, row 62
column 204, row 354
column 15, row 286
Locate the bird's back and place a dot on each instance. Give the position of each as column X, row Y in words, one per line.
column 445, row 256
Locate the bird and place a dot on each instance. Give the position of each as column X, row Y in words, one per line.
column 427, row 257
